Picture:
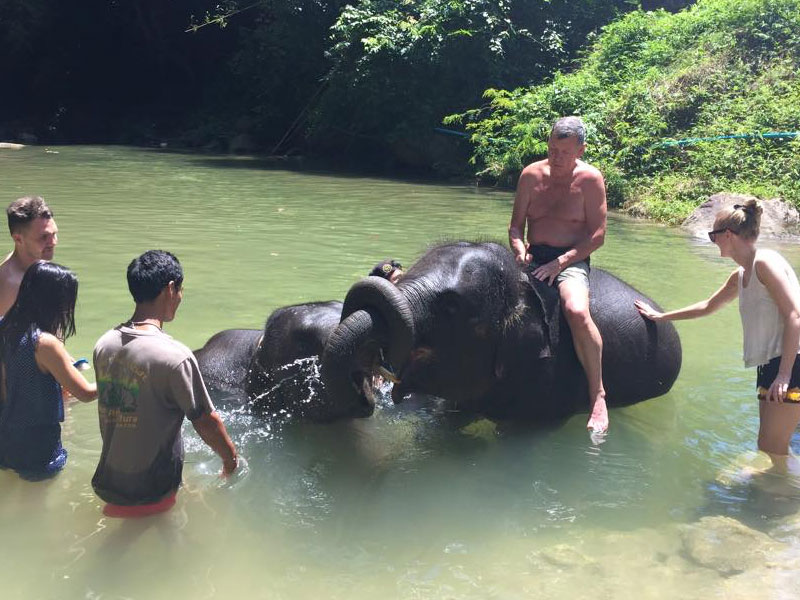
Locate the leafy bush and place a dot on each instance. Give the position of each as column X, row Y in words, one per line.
column 721, row 67
column 400, row 66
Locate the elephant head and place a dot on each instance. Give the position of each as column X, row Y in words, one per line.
column 439, row 330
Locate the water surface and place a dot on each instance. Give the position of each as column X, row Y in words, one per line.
column 413, row 502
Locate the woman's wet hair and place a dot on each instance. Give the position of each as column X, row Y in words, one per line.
column 46, row 299
column 151, row 272
column 742, row 219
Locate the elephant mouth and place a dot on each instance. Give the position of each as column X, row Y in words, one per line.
column 415, row 376
column 388, row 375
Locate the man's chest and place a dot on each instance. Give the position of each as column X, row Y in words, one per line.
column 564, row 202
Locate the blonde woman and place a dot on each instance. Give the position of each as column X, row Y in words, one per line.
column 769, row 306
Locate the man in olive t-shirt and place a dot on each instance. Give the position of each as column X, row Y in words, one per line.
column 147, row 383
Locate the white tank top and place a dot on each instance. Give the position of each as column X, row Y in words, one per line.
column 762, row 323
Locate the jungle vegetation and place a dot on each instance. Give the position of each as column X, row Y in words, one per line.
column 366, row 79
column 720, row 69
column 371, row 81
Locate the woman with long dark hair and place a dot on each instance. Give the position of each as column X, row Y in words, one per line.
column 34, row 365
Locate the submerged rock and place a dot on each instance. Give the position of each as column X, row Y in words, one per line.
column 564, row 556
column 779, row 219
column 728, row 547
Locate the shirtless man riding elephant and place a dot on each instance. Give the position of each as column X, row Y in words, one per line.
column 562, row 200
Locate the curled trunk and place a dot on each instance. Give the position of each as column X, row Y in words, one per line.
column 377, row 326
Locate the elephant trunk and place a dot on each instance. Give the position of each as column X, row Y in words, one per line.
column 377, row 326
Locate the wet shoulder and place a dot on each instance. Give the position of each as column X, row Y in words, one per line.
column 585, row 172
column 45, row 341
column 774, row 261
column 112, row 337
column 167, row 350
column 766, row 256
column 535, row 170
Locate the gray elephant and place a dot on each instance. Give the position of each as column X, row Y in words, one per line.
column 468, row 325
column 276, row 370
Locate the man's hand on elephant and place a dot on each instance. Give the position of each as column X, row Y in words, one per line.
column 548, row 271
column 523, row 259
column 647, row 311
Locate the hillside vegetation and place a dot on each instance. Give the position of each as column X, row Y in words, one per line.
column 721, row 67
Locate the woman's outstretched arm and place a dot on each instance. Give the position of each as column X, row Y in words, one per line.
column 713, row 303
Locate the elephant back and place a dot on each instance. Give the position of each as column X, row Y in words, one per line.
column 541, row 375
column 641, row 358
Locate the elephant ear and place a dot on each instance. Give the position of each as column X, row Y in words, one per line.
column 534, row 334
column 545, row 311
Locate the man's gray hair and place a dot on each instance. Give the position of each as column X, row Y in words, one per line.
column 569, row 127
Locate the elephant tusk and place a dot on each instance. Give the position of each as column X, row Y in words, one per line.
column 387, row 374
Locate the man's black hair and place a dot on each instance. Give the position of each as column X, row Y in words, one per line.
column 151, row 272
column 385, row 268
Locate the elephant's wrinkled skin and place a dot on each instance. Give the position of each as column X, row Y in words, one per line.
column 225, row 358
column 276, row 368
column 466, row 324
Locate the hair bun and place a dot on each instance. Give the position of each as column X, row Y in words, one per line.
column 747, row 209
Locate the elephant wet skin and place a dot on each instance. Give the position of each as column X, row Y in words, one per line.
column 275, row 370
column 467, row 324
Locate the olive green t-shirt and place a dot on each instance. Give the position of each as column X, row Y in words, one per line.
column 147, row 382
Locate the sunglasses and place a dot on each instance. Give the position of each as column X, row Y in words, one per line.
column 712, row 235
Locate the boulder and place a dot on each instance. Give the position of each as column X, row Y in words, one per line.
column 728, row 547
column 780, row 220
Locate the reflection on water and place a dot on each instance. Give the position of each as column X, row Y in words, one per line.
column 417, row 501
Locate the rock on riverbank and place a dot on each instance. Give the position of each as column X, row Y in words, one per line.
column 779, row 220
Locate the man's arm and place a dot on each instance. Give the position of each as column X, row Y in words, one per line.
column 190, row 393
column 212, row 431
column 594, row 201
column 519, row 216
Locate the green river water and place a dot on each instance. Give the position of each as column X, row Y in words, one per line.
column 404, row 504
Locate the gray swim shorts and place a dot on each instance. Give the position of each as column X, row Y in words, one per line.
column 578, row 271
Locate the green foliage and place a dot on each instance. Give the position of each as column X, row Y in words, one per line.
column 400, row 66
column 720, row 67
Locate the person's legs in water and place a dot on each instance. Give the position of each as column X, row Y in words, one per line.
column 588, row 346
column 778, row 421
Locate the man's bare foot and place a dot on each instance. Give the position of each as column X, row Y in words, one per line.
column 598, row 421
